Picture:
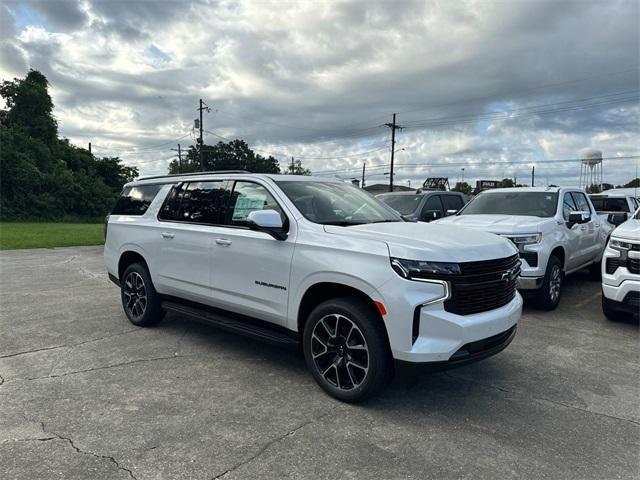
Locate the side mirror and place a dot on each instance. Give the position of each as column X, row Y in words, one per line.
column 451, row 212
column 617, row 218
column 268, row 221
column 578, row 218
column 430, row 215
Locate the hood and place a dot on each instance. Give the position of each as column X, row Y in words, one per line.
column 629, row 230
column 496, row 223
column 429, row 241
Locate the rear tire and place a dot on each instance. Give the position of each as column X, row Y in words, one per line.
column 140, row 301
column 613, row 314
column 346, row 349
column 549, row 295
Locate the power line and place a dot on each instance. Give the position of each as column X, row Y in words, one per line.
column 471, row 163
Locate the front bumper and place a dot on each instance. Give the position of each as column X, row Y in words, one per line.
column 468, row 353
column 420, row 330
column 529, row 283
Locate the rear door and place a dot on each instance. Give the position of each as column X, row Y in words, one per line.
column 250, row 270
column 186, row 227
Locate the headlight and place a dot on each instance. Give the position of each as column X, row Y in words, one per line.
column 526, row 239
column 417, row 269
column 619, row 244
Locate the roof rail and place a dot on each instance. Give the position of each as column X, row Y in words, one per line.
column 213, row 172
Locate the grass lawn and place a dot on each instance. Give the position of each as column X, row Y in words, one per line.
column 47, row 235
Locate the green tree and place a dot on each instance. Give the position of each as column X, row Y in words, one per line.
column 506, row 183
column 296, row 168
column 42, row 176
column 593, row 188
column 233, row 155
column 30, row 106
column 635, row 183
column 462, row 187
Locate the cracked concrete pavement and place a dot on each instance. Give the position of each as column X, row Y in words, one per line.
column 84, row 394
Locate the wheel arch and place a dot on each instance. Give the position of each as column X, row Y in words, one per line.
column 320, row 292
column 127, row 258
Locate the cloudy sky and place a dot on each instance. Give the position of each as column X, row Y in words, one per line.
column 491, row 87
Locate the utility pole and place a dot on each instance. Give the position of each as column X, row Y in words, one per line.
column 179, row 158
column 203, row 106
column 363, row 167
column 393, row 128
column 89, row 148
column 293, row 167
column 533, row 176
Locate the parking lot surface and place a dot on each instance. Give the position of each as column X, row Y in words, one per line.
column 85, row 394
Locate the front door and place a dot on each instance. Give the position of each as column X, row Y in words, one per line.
column 249, row 269
column 589, row 232
column 572, row 247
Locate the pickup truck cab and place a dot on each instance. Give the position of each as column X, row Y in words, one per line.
column 555, row 229
column 314, row 263
column 621, row 270
column 614, row 202
column 424, row 206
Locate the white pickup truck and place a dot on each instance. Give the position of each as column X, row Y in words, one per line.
column 556, row 230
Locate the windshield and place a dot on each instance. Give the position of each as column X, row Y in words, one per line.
column 332, row 203
column 610, row 204
column 404, row 204
column 536, row 204
column 637, row 215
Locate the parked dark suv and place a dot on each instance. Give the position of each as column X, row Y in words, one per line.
column 424, row 206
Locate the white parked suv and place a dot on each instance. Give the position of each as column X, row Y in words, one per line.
column 556, row 230
column 621, row 269
column 312, row 262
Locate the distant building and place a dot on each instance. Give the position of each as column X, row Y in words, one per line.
column 379, row 188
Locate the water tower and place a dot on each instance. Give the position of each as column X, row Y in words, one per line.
column 590, row 168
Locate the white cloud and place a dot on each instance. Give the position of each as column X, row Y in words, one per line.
column 318, row 79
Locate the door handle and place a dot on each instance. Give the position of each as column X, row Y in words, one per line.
column 223, row 242
column 168, row 235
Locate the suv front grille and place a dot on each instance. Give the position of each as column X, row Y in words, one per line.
column 483, row 286
column 632, row 264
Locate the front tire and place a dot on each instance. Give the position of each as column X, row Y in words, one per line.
column 346, row 349
column 140, row 300
column 551, row 290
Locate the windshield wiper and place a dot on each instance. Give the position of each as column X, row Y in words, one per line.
column 386, row 221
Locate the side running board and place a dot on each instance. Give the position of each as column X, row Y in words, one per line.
column 227, row 322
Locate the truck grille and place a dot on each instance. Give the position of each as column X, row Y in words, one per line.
column 632, row 264
column 483, row 286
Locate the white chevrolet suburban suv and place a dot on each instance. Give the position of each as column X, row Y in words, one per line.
column 621, row 269
column 556, row 230
column 312, row 262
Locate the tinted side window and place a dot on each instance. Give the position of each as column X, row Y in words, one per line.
column 204, row 202
column 170, row 207
column 581, row 201
column 568, row 206
column 452, row 202
column 248, row 197
column 135, row 200
column 432, row 204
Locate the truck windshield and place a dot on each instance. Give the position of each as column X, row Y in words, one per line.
column 333, row 203
column 404, row 204
column 535, row 204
